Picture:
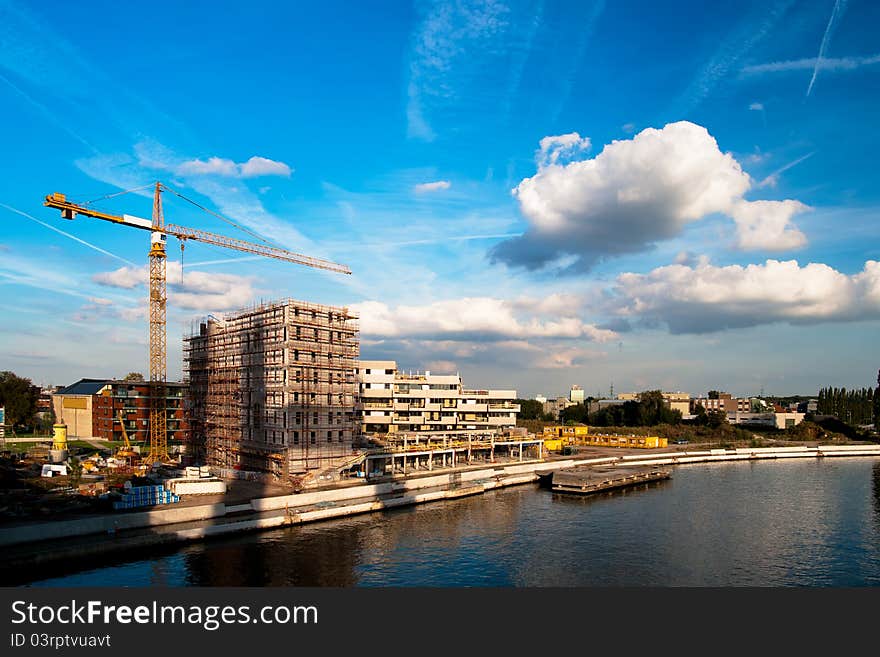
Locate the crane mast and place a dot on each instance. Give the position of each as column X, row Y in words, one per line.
column 159, row 232
column 158, row 335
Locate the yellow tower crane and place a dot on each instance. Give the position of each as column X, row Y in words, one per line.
column 159, row 232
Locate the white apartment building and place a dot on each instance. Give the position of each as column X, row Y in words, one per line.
column 392, row 401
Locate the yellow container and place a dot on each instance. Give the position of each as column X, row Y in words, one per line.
column 59, row 439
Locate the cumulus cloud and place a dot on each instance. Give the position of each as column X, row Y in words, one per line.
column 436, row 186
column 637, row 192
column 705, row 298
column 760, row 223
column 561, row 146
column 197, row 291
column 261, row 166
column 218, row 166
column 476, row 318
column 213, row 166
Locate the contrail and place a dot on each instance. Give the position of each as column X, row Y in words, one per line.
column 839, row 8
column 771, row 179
column 73, row 237
column 48, row 114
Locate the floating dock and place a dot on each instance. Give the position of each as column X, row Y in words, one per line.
column 581, row 481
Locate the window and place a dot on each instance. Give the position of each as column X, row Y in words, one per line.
column 312, row 438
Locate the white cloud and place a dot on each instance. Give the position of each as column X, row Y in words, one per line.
column 767, row 225
column 832, row 64
column 124, row 277
column 198, row 291
column 705, row 298
column 560, row 146
column 757, row 107
column 213, row 166
column 435, row 186
column 472, row 319
column 235, row 202
column 628, row 128
column 441, row 367
column 637, row 192
column 447, row 41
column 218, row 166
column 261, row 166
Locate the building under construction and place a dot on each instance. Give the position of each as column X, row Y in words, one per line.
column 272, row 389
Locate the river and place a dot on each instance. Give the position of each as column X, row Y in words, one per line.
column 799, row 522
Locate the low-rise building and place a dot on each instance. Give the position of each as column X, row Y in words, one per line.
column 724, row 402
column 393, row 401
column 90, row 408
column 555, row 407
column 771, row 419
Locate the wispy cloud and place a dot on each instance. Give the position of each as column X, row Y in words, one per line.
column 49, row 115
column 436, row 186
column 753, row 29
column 829, row 64
column 836, row 13
column 573, row 63
column 447, row 32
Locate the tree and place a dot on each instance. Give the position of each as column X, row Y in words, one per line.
column 133, row 376
column 877, row 404
column 714, row 394
column 716, row 418
column 19, row 396
column 702, row 417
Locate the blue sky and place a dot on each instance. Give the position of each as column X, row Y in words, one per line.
column 534, row 194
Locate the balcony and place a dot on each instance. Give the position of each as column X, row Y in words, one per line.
column 504, row 407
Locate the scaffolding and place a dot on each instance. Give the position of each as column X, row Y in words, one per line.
column 273, row 388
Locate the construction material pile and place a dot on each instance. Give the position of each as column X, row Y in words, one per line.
column 139, row 496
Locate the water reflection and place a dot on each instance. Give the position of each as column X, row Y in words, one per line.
column 805, row 523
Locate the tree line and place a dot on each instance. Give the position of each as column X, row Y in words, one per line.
column 856, row 406
column 648, row 410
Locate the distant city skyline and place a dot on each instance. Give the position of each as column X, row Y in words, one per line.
column 529, row 194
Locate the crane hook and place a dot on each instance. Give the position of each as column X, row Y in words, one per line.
column 182, row 246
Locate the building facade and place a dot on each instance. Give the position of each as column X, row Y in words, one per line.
column 724, row 402
column 676, row 401
column 392, row 401
column 90, row 408
column 273, row 388
column 132, row 400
